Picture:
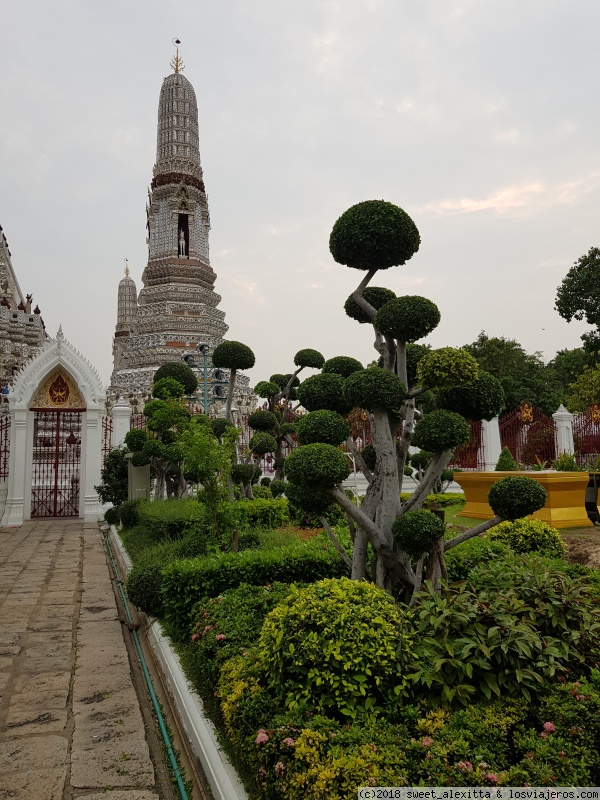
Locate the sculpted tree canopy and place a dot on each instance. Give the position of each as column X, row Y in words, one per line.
column 404, row 544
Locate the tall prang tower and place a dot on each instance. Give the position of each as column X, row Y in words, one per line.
column 177, row 308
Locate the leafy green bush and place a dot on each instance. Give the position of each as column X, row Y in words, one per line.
column 262, row 421
column 261, row 513
column 112, row 516
column 516, row 497
column 374, row 234
column 446, row 368
column 309, row 358
column 375, row 388
column 337, row 646
column 129, row 511
column 172, row 519
column 262, row 492
column 179, row 372
column 277, row 488
column 464, row 558
column 376, row 296
column 527, row 535
column 323, row 426
column 416, row 532
column 248, row 540
column 183, row 582
column 506, row 462
column 263, row 442
column 441, row 430
column 113, row 488
column 325, row 390
column 320, row 465
column 516, row 623
column 566, row 462
column 226, row 624
column 443, row 500
column 342, row 365
column 233, row 355
column 144, row 580
column 407, row 318
column 482, row 399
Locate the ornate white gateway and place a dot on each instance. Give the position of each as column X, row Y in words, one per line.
column 55, row 407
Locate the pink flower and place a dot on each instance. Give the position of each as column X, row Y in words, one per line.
column 427, row 741
column 279, row 767
column 465, row 765
column 544, row 735
column 262, row 737
column 220, row 636
column 562, row 753
column 550, row 727
column 372, row 781
column 289, row 741
column 482, row 765
column 492, row 777
column 194, row 637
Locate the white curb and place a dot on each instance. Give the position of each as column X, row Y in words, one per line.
column 220, row 774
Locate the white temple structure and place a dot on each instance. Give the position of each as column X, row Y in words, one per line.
column 177, row 308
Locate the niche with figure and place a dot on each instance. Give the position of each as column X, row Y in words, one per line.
column 183, row 236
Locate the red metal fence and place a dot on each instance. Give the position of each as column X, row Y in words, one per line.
column 586, row 434
column 4, row 446
column 529, row 435
column 138, row 422
column 470, row 455
column 56, row 464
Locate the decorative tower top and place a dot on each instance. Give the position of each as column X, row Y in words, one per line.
column 176, row 63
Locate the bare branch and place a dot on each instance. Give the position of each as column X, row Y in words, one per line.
column 359, row 459
column 418, row 581
column 401, row 362
column 462, row 537
column 407, row 432
column 436, row 466
column 357, row 295
column 336, row 542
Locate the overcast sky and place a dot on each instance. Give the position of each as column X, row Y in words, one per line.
column 480, row 118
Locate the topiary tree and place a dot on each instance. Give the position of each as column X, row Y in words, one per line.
column 408, row 543
column 179, row 372
column 232, row 356
column 506, row 462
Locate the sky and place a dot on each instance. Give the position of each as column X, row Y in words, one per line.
column 479, row 118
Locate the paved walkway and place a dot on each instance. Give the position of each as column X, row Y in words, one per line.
column 70, row 723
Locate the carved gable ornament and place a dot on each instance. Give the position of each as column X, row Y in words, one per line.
column 58, row 390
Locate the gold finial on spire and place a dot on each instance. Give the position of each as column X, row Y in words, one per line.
column 176, row 63
column 126, row 269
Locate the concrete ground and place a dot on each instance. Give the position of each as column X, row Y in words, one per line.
column 70, row 720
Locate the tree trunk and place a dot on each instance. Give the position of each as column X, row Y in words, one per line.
column 230, row 395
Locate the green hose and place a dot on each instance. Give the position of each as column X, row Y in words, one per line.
column 161, row 722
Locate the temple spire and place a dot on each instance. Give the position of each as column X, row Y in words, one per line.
column 176, row 63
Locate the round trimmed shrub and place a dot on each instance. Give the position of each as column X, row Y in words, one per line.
column 220, row 425
column 375, row 387
column 447, row 367
column 287, row 428
column 407, row 318
column 417, row 531
column 263, row 442
column 242, row 473
column 265, row 481
column 326, row 627
column 376, row 296
column 421, row 459
column 129, row 511
column 135, row 440
column 309, row 358
column 516, row 497
column 322, row 426
column 279, row 379
column 527, row 535
column 278, row 488
column 266, row 389
column 262, row 421
column 325, row 390
column 166, row 388
column 308, row 499
column 317, row 465
column 112, row 516
column 374, row 234
column 441, row 430
column 483, row 399
column 179, row 372
column 369, row 456
column 506, row 462
column 342, row 365
column 233, row 355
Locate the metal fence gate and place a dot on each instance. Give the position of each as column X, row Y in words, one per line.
column 4, row 446
column 56, row 464
column 529, row 435
column 586, row 434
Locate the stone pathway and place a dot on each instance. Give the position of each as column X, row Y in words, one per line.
column 70, row 722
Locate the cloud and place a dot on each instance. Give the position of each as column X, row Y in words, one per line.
column 528, row 197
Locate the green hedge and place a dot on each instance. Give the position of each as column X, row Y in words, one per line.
column 261, row 513
column 443, row 499
column 171, row 519
column 185, row 582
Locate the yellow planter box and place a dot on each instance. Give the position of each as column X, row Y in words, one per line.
column 565, row 502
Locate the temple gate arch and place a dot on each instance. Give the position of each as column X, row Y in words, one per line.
column 55, row 406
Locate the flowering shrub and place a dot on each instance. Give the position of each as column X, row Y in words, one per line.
column 527, row 535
